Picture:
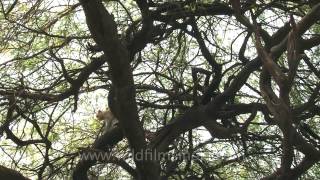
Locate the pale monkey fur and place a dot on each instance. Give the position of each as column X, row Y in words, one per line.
column 108, row 119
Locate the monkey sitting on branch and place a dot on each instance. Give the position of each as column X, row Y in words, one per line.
column 109, row 120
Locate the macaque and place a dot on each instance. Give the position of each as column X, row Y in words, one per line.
column 108, row 119
column 149, row 135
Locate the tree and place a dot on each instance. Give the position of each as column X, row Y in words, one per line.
column 202, row 89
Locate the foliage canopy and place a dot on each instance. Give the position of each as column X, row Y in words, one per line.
column 218, row 89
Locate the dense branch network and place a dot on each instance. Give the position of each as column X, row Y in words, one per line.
column 215, row 83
